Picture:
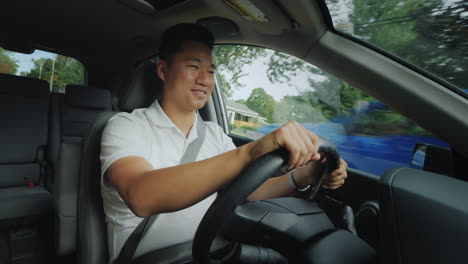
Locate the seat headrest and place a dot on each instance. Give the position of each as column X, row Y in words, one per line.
column 23, row 86
column 88, row 97
column 145, row 87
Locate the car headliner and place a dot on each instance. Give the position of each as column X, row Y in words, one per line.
column 89, row 29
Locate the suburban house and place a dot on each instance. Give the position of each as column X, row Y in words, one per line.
column 240, row 115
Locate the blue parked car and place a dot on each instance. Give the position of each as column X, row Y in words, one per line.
column 367, row 143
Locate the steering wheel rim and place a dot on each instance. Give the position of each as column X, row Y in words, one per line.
column 244, row 184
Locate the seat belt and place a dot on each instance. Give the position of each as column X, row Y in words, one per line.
column 131, row 244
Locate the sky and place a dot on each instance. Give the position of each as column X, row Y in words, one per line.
column 257, row 77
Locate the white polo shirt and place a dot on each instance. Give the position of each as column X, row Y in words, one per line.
column 150, row 134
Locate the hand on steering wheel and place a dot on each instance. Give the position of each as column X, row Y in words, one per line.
column 247, row 181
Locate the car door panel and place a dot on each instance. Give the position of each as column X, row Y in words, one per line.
column 239, row 141
column 360, row 192
column 424, row 217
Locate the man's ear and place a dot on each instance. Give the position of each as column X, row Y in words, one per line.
column 161, row 69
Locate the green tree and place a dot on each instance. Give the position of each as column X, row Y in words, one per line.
column 428, row 33
column 282, row 66
column 281, row 113
column 442, row 38
column 7, row 63
column 60, row 71
column 302, row 108
column 326, row 96
column 230, row 63
column 262, row 103
column 332, row 96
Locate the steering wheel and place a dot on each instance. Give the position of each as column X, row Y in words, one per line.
column 244, row 184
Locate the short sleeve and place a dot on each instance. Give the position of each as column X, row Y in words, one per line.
column 228, row 144
column 123, row 136
column 222, row 141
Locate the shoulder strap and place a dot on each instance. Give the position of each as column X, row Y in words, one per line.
column 191, row 153
column 131, row 244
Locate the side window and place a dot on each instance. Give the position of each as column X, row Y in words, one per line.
column 263, row 89
column 57, row 70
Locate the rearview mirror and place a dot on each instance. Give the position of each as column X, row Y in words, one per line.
column 432, row 158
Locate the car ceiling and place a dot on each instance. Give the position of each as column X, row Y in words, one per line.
column 107, row 29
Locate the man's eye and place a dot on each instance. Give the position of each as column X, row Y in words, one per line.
column 194, row 66
column 211, row 72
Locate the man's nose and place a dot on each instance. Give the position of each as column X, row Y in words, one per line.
column 203, row 78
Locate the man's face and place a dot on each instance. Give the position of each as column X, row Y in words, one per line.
column 188, row 76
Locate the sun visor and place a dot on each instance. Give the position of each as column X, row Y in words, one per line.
column 220, row 27
column 150, row 6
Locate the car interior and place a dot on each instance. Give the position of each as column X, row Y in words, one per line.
column 50, row 201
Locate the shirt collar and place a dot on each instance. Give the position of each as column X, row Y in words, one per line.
column 159, row 118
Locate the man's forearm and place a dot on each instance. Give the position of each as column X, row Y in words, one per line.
column 175, row 188
column 272, row 188
column 279, row 186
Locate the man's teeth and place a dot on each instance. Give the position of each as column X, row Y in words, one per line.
column 200, row 92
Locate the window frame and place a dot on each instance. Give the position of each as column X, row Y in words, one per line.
column 221, row 111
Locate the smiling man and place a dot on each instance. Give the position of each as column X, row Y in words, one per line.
column 141, row 152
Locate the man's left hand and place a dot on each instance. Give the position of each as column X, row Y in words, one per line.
column 310, row 173
column 337, row 178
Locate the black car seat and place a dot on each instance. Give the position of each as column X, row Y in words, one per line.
column 92, row 229
column 144, row 88
column 73, row 115
column 25, row 201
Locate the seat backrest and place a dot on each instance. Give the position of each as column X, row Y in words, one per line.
column 81, row 107
column 24, row 202
column 92, row 229
column 143, row 89
column 23, row 137
column 23, row 141
column 77, row 111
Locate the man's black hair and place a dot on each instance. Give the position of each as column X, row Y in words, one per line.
column 174, row 37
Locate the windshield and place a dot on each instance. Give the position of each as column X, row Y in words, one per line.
column 431, row 34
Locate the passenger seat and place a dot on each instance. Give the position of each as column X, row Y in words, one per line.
column 74, row 114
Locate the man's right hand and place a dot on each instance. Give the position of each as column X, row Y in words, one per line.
column 300, row 143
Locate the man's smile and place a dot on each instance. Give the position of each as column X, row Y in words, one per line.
column 200, row 92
